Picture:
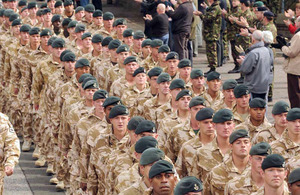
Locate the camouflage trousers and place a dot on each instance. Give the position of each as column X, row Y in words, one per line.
column 226, row 44
column 211, row 53
column 27, row 123
column 15, row 114
column 234, row 52
column 1, row 184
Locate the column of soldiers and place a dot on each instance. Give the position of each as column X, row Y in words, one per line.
column 111, row 112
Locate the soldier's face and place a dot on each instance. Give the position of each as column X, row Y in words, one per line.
column 198, row 82
column 114, row 55
column 128, row 40
column 79, row 34
column 24, row 36
column 138, row 43
column 122, row 56
column 120, row 29
column 214, row 85
column 105, row 50
column 185, row 72
column 97, row 46
column 294, row 127
column 295, row 188
column 89, row 93
column 69, row 8
column 274, row 177
column 280, row 120
column 256, row 161
column 172, row 65
column 16, row 30
column 33, row 11
column 35, row 39
column 57, row 24
column 119, row 123
column 224, row 129
column 79, row 15
column 51, row 4
column 259, row 15
column 164, row 87
column 153, row 82
column 71, row 31
column 13, row 5
column 145, row 170
column 89, row 16
column 108, row 23
column 241, row 147
column 257, row 114
column 140, row 79
column 59, row 10
column 207, row 127
column 98, row 20
column 25, row 13
column 87, row 42
column 229, row 95
column 44, row 40
column 69, row 66
column 146, row 50
column 131, row 67
column 163, row 183
column 243, row 101
column 154, row 51
column 183, row 103
column 98, row 105
column 162, row 56
column 174, row 92
column 144, row 134
column 194, row 110
column 57, row 51
column 82, row 70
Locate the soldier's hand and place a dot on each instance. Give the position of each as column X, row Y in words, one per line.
column 83, row 186
column 239, row 49
column 16, row 91
column 244, row 32
column 8, row 170
column 244, row 21
column 252, row 29
column 204, row 5
column 224, row 12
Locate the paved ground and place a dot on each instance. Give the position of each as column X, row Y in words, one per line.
column 28, row 180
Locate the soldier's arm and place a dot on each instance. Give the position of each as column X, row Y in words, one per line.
column 37, row 84
column 7, row 68
column 92, row 183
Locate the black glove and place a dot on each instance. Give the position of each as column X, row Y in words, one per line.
column 281, row 40
column 276, row 45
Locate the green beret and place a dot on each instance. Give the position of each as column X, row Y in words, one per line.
column 138, row 71
column 156, row 43
column 90, row 78
column 97, row 13
column 58, row 43
column 280, row 107
column 122, row 48
column 261, row 149
column 46, row 10
column 177, row 83
column 69, row 57
column 130, row 59
column 240, row 90
column 82, row 62
column 213, row 75
column 117, row 111
column 164, row 48
column 222, row 116
column 240, row 133
column 134, row 122
column 198, row 100
column 32, row 5
column 293, row 114
column 139, row 35
column 163, row 77
column 114, row 44
column 79, row 28
column 66, row 22
column 108, row 16
column 229, row 84
column 145, row 126
column 14, row 16
column 156, row 71
column 195, row 73
column 100, row 94
column 84, row 76
column 56, row 18
column 93, row 84
column 86, row 35
column 120, row 21
column 22, row 3
column 45, row 32
column 58, row 4
column 144, row 143
column 51, row 40
column 146, row 42
column 34, row 31
column 268, row 14
column 294, row 176
column 89, row 8
column 151, row 155
column 72, row 24
column 106, row 41
column 25, row 28
column 258, row 4
column 273, row 161
column 43, row 5
column 40, row 12
column 79, row 9
column 257, row 103
column 1, row 11
column 112, row 101
column 161, row 166
column 68, row 2
column 8, row 12
column 204, row 113
column 128, row 32
column 97, row 38
column 188, row 184
column 16, row 22
column 182, row 93
column 64, row 53
column 172, row 55
column 262, row 9
column 184, row 63
column 24, row 8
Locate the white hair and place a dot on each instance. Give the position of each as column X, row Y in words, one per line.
column 257, row 35
column 267, row 36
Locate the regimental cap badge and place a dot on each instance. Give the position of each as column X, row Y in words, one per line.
column 196, row 187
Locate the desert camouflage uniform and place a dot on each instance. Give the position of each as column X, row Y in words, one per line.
column 216, row 103
column 237, row 118
column 285, row 147
column 148, row 110
column 194, row 94
column 105, row 33
column 165, row 112
column 94, row 29
column 118, row 86
column 267, row 135
column 127, row 178
column 148, row 63
column 261, row 191
column 30, row 22
column 293, row 163
column 101, row 68
column 138, row 188
column 113, row 74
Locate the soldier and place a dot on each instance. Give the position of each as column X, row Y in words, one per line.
column 79, row 14
column 162, row 178
column 69, row 11
column 47, row 16
column 152, row 59
column 10, row 149
column 72, row 35
column 293, row 181
column 229, row 169
column 152, row 78
column 86, row 49
column 120, row 25
column 128, row 37
column 256, row 121
column 228, row 92
column 57, row 25
column 108, row 20
column 279, row 112
column 97, row 22
column 252, row 180
column 241, row 109
column 122, row 83
column 163, row 51
column 288, row 145
column 213, row 95
column 50, row 4
column 97, row 53
column 146, row 51
column 173, row 61
column 188, row 185
column 268, row 24
column 88, row 14
column 205, row 135
column 31, row 19
column 21, row 5
column 197, row 81
column 184, row 69
column 214, row 153
column 58, row 8
column 65, row 24
column 273, row 167
column 136, row 49
column 24, row 12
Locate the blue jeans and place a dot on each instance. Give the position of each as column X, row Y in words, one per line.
column 84, row 2
column 164, row 38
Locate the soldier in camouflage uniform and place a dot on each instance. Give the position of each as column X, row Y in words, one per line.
column 108, row 20
column 31, row 18
column 136, row 48
column 128, row 37
column 87, row 48
column 197, row 80
column 10, row 149
column 213, row 96
column 69, row 11
column 227, row 170
column 241, row 109
column 205, row 135
column 88, row 15
column 152, row 59
column 184, row 69
column 279, row 113
column 228, row 92
column 120, row 25
column 288, row 145
column 163, row 51
column 97, row 22
column 172, row 60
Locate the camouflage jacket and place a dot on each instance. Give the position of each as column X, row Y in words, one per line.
column 266, row 135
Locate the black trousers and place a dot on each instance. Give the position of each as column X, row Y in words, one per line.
column 97, row 4
column 180, row 43
column 293, row 90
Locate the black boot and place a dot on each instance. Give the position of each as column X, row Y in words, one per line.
column 210, row 70
column 235, row 69
column 240, row 80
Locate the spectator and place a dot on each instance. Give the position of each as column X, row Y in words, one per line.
column 290, row 14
